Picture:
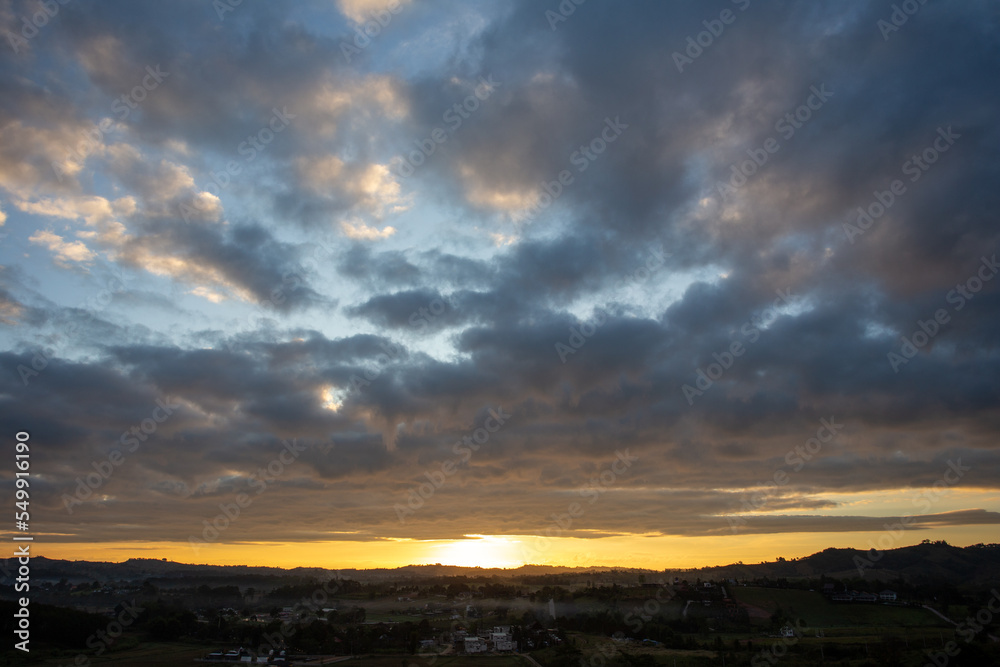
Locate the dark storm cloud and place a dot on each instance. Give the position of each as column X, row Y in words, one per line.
column 378, row 411
column 417, row 309
column 533, row 278
column 246, row 255
column 269, row 389
column 223, row 78
column 459, row 271
column 888, row 100
column 379, row 269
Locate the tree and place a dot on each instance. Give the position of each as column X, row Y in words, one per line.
column 356, row 615
column 566, row 656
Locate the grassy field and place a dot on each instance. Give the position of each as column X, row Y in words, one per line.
column 149, row 654
column 847, row 629
column 818, row 612
column 391, row 609
column 599, row 650
column 646, row 603
column 442, row 661
column 153, row 654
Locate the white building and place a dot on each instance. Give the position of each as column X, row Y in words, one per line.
column 475, row 645
column 502, row 639
column 505, row 644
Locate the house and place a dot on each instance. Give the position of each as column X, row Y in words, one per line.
column 240, row 655
column 502, row 639
column 787, row 631
column 475, row 645
column 506, row 643
column 278, row 658
column 866, row 597
column 887, row 596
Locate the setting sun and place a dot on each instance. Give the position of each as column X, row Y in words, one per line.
column 479, row 551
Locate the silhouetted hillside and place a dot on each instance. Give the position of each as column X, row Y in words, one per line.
column 977, row 564
column 928, row 561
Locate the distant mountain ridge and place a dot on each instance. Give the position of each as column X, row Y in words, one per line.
column 937, row 560
column 932, row 560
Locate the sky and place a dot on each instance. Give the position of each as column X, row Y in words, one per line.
column 364, row 283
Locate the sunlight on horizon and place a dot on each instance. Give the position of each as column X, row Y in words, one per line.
column 659, row 552
column 480, row 551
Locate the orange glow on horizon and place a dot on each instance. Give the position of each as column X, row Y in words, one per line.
column 504, row 551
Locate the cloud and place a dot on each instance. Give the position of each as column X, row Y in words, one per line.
column 65, row 251
column 243, row 262
column 362, row 232
column 92, row 210
column 10, row 309
column 417, row 310
column 370, row 188
column 360, row 11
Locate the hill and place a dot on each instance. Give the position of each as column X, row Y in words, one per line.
column 930, row 561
